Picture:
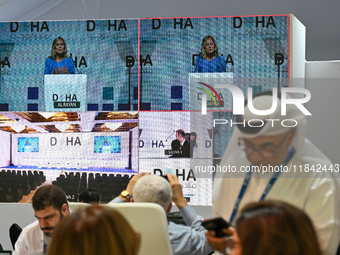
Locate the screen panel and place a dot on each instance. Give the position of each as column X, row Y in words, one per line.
column 105, row 51
column 171, row 49
column 107, row 144
column 28, row 144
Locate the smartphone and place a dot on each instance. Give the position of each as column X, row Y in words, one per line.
column 216, row 225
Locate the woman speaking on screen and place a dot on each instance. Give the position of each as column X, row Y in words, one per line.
column 209, row 61
column 58, row 62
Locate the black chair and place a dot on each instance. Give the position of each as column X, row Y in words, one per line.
column 14, row 233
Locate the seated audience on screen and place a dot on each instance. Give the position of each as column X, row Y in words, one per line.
column 49, row 205
column 89, row 196
column 269, row 227
column 92, row 231
column 59, row 62
column 185, row 240
column 209, row 61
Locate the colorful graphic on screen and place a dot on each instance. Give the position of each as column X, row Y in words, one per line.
column 107, row 144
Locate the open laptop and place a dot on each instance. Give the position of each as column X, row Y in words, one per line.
column 5, row 252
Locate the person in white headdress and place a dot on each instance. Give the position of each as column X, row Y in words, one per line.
column 287, row 149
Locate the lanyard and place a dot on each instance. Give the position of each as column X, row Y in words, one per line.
column 45, row 248
column 267, row 189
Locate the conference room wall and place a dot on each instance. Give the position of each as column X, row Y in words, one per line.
column 323, row 82
column 5, row 148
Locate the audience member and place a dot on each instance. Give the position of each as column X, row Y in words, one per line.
column 50, row 205
column 89, row 196
column 185, row 240
column 270, row 227
column 94, row 230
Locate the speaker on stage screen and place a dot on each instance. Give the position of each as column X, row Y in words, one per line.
column 96, row 49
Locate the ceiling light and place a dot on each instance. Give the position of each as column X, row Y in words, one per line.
column 62, row 127
column 113, row 125
column 18, row 127
column 46, row 114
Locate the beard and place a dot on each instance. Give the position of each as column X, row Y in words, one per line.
column 48, row 234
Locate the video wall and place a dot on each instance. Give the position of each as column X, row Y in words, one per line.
column 159, row 66
column 113, row 63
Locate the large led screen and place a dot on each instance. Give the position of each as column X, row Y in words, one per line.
column 98, row 57
column 240, row 47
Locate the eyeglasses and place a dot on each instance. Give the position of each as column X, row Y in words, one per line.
column 264, row 150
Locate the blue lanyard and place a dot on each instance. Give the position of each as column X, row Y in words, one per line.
column 267, row 189
column 45, row 248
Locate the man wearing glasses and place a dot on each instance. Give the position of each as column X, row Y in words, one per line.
column 275, row 161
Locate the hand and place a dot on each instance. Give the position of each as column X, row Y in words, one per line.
column 56, row 70
column 219, row 243
column 64, row 70
column 177, row 193
column 131, row 184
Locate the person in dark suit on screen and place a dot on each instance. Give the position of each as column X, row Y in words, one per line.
column 185, row 145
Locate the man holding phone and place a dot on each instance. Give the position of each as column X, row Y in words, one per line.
column 185, row 240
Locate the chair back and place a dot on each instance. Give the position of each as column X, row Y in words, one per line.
column 75, row 206
column 14, row 232
column 149, row 220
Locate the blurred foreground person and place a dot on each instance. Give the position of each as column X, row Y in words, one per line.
column 94, row 230
column 270, row 228
column 275, row 161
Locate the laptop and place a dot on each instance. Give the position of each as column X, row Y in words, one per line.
column 5, row 252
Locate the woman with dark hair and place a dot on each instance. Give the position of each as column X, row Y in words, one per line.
column 58, row 62
column 209, row 61
column 271, row 228
column 94, row 230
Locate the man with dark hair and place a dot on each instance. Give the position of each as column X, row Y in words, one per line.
column 185, row 146
column 49, row 204
column 89, row 196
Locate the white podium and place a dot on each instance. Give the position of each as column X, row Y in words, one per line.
column 65, row 92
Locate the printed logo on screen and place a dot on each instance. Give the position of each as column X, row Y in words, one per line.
column 216, row 100
column 70, row 102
